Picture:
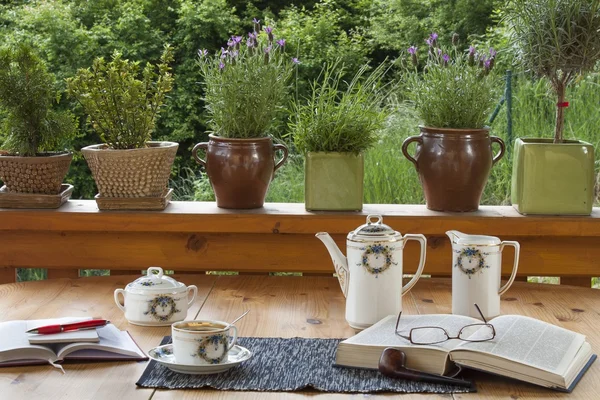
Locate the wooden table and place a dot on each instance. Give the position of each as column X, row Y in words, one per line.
column 280, row 306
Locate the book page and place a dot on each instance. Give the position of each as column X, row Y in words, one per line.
column 382, row 333
column 112, row 340
column 531, row 342
column 15, row 343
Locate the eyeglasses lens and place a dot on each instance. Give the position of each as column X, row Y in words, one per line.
column 429, row 335
column 476, row 332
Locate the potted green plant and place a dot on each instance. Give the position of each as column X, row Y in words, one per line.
column 453, row 95
column 558, row 40
column 246, row 87
column 333, row 127
column 33, row 159
column 123, row 102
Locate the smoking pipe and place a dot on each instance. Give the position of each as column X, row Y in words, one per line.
column 393, row 365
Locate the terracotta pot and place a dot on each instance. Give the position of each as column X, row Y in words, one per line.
column 240, row 170
column 453, row 165
column 43, row 174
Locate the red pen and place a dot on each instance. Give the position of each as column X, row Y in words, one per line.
column 76, row 326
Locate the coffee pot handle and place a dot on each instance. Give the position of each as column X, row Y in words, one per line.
column 513, row 275
column 423, row 241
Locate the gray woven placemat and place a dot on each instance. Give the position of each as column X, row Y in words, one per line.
column 279, row 364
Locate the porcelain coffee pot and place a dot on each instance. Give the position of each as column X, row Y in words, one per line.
column 371, row 275
column 476, row 271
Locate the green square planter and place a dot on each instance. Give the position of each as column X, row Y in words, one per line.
column 333, row 181
column 549, row 178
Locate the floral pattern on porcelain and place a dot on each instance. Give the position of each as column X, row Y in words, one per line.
column 162, row 352
column 149, row 283
column 471, row 254
column 162, row 302
column 379, row 251
column 212, row 340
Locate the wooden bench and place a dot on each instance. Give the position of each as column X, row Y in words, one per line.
column 198, row 236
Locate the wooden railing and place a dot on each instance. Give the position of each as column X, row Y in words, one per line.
column 198, row 236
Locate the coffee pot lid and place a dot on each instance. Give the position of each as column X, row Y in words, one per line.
column 374, row 229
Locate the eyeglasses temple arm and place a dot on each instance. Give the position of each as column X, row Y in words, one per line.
column 480, row 313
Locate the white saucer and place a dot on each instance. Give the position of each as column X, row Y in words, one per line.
column 164, row 355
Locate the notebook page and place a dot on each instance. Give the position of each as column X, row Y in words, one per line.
column 531, row 342
column 111, row 339
column 15, row 343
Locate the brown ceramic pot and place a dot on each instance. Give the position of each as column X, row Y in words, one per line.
column 453, row 165
column 240, row 170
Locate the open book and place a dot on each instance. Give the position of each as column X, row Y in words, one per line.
column 523, row 348
column 112, row 345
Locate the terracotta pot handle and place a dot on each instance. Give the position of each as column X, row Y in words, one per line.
column 283, row 148
column 498, row 156
column 405, row 145
column 204, row 146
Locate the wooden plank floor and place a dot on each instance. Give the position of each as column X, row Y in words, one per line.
column 280, row 306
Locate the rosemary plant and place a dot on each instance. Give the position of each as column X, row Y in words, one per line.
column 122, row 105
column 454, row 90
column 246, row 84
column 27, row 96
column 337, row 119
column 558, row 40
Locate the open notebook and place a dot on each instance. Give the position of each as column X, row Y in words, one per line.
column 524, row 348
column 111, row 344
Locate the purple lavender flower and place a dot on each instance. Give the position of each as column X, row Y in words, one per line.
column 439, row 52
column 236, row 39
column 268, row 49
column 281, row 42
column 202, row 52
column 446, row 58
column 230, row 43
column 412, row 50
column 433, row 38
column 492, row 52
column 221, row 66
column 295, row 60
column 269, row 31
column 250, row 43
column 223, row 52
column 255, row 21
column 234, row 53
column 471, row 56
column 429, row 42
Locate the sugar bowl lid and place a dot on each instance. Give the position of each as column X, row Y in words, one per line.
column 155, row 282
column 374, row 229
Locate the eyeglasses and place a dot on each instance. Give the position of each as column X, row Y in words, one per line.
column 435, row 334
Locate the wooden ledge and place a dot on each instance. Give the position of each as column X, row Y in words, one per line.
column 198, row 236
column 292, row 218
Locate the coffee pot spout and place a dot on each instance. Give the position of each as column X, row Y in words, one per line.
column 340, row 262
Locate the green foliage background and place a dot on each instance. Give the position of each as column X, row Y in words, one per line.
column 70, row 34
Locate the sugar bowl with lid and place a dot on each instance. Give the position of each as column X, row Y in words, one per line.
column 155, row 299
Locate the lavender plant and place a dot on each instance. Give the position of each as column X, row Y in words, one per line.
column 346, row 119
column 122, row 105
column 454, row 89
column 246, row 84
column 558, row 40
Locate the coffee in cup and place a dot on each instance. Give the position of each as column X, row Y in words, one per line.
column 202, row 341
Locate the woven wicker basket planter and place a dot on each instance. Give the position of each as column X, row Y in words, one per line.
column 131, row 173
column 40, row 175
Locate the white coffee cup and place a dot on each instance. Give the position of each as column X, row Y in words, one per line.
column 202, row 342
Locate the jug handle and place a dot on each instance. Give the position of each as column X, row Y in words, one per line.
column 405, row 149
column 423, row 241
column 196, row 149
column 513, row 275
column 497, row 157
